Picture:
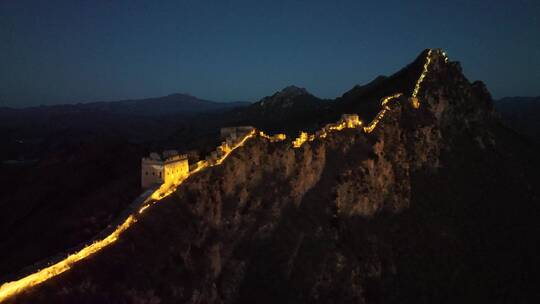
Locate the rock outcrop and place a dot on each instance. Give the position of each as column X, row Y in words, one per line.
column 284, row 98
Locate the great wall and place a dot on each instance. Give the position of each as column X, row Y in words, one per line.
column 216, row 158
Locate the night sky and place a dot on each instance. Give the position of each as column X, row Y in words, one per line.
column 79, row 51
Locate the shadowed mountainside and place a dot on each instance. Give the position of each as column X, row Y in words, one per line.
column 438, row 204
column 61, row 159
column 522, row 114
column 80, row 164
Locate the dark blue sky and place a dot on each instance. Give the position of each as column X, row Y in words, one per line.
column 74, row 51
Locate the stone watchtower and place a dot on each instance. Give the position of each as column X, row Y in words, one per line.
column 167, row 168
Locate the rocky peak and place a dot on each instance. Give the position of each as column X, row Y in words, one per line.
column 180, row 96
column 453, row 101
column 293, row 90
column 286, row 97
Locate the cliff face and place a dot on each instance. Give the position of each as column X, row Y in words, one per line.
column 416, row 211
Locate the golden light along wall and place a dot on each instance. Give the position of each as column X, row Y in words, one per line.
column 304, row 137
column 422, row 75
column 384, row 103
column 415, row 102
column 10, row 289
column 346, row 121
column 274, row 138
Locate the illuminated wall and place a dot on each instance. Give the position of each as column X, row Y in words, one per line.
column 175, row 171
column 232, row 136
column 234, row 132
column 274, row 138
column 352, row 121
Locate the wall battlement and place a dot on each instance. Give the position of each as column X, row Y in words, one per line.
column 273, row 138
column 347, row 121
column 231, row 136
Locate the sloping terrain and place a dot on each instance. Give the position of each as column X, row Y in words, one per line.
column 437, row 204
column 288, row 111
column 80, row 166
column 522, row 114
column 65, row 199
column 294, row 109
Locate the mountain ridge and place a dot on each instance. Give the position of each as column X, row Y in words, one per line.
column 168, row 104
column 522, row 114
column 330, row 220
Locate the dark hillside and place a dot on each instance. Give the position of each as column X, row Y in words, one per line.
column 436, row 205
column 522, row 114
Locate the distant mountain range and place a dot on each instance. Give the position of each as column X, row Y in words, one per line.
column 290, row 109
column 155, row 106
column 520, row 99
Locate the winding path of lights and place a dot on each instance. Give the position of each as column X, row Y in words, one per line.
column 13, row 288
column 304, row 137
